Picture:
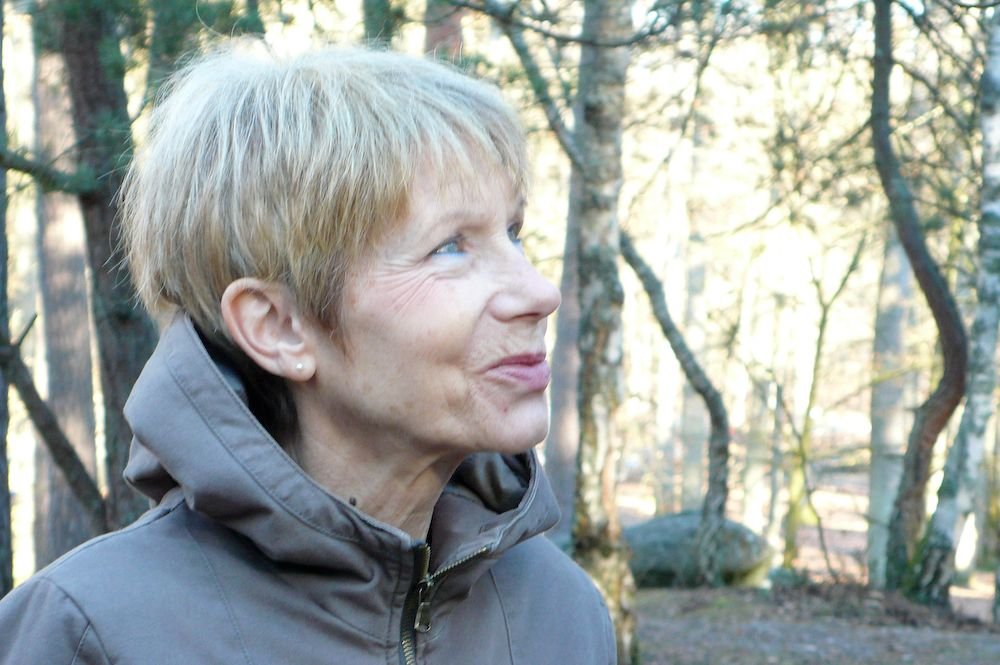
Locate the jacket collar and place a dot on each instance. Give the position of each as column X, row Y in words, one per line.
column 193, row 431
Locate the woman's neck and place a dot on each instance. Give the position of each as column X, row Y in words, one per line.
column 385, row 479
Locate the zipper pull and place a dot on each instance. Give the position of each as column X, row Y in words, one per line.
column 422, row 616
column 422, row 620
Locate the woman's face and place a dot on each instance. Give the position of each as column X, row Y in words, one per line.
column 443, row 329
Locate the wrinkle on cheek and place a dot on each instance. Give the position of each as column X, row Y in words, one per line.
column 402, row 292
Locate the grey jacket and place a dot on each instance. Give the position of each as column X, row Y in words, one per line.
column 244, row 559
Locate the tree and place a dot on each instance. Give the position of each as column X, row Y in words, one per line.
column 88, row 34
column 799, row 491
column 60, row 520
column 935, row 568
column 887, row 407
column 932, row 416
column 713, row 512
column 6, row 540
column 597, row 129
column 443, row 29
column 563, row 441
column 381, row 21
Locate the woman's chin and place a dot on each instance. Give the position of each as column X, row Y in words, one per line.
column 519, row 438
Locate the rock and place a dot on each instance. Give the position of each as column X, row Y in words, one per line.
column 663, row 552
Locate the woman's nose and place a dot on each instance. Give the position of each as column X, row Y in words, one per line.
column 525, row 293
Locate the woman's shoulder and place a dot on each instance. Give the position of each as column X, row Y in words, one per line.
column 567, row 610
column 109, row 592
column 539, row 559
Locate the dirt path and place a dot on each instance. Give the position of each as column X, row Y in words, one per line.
column 814, row 626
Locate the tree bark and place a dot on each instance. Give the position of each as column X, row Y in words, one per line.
column 996, row 596
column 888, row 413
column 169, row 37
column 60, row 521
column 125, row 334
column 713, row 511
column 6, row 536
column 693, row 430
column 936, row 567
column 932, row 416
column 563, row 440
column 379, row 22
column 443, row 29
column 597, row 113
column 15, row 373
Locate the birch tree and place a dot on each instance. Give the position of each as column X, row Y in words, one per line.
column 888, row 416
column 936, row 567
column 6, row 540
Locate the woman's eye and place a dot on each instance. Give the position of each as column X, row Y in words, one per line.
column 452, row 246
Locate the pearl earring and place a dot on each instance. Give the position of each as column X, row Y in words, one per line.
column 299, row 367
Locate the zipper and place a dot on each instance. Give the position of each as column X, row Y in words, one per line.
column 417, row 606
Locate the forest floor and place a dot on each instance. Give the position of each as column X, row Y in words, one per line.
column 817, row 622
column 811, row 625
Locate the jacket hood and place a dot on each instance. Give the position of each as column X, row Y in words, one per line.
column 194, row 434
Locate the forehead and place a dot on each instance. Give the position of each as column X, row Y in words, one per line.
column 485, row 192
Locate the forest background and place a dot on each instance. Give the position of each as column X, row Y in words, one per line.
column 774, row 224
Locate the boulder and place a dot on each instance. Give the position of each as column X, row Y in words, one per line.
column 663, row 552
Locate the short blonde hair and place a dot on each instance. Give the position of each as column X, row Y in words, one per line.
column 291, row 169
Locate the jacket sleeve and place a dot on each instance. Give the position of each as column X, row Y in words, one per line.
column 41, row 625
column 610, row 639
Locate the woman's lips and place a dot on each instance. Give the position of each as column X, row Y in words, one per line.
column 529, row 371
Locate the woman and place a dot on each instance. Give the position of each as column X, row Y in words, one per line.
column 337, row 425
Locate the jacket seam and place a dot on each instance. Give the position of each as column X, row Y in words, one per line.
column 224, row 597
column 503, row 613
column 79, row 608
column 79, row 646
column 121, row 533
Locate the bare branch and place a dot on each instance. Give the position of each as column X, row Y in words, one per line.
column 540, row 87
column 63, row 454
column 47, row 176
column 713, row 510
column 965, row 124
column 504, row 13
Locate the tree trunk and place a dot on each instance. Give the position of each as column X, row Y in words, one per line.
column 758, row 457
column 798, row 459
column 888, row 412
column 799, row 490
column 932, row 416
column 958, row 486
column 125, row 334
column 173, row 21
column 694, row 425
column 777, row 397
column 996, row 596
column 61, row 523
column 598, row 111
column 379, row 22
column 443, row 30
column 6, row 539
column 713, row 511
column 563, row 440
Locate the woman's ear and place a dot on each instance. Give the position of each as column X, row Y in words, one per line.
column 264, row 321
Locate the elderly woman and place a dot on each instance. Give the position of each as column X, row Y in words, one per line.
column 337, row 425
